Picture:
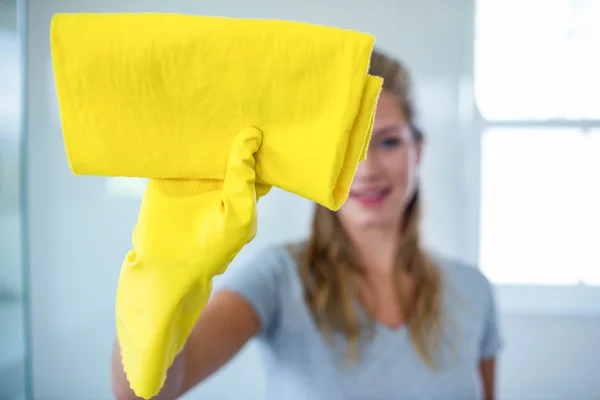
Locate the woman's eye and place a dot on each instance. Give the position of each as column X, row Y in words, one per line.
column 390, row 143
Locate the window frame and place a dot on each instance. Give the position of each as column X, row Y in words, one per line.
column 524, row 299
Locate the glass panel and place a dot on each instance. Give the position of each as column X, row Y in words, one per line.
column 583, row 89
column 12, row 311
column 532, row 225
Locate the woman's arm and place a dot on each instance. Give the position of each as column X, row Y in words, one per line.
column 491, row 342
column 488, row 376
column 224, row 327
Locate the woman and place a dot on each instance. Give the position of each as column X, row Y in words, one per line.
column 360, row 311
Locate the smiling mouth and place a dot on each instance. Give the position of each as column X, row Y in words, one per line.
column 370, row 197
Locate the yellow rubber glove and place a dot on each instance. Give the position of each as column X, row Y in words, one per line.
column 187, row 232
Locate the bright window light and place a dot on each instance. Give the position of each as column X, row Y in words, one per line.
column 537, row 87
column 538, row 59
column 540, row 206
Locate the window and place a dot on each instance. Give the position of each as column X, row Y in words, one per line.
column 540, row 206
column 537, row 59
column 537, row 88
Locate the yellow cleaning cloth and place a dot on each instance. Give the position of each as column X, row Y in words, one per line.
column 214, row 111
column 163, row 95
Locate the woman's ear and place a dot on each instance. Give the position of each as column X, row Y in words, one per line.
column 419, row 151
column 419, row 139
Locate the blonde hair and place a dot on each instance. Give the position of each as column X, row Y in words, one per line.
column 327, row 263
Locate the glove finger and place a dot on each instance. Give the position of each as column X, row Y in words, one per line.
column 239, row 187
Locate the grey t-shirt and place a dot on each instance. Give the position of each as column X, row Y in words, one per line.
column 302, row 364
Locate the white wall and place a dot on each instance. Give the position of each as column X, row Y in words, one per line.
column 79, row 234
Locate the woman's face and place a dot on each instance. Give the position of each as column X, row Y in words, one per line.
column 386, row 181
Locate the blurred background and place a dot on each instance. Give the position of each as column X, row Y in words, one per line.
column 509, row 99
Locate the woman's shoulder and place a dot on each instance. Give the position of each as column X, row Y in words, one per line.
column 264, row 276
column 285, row 254
column 463, row 277
column 277, row 263
column 263, row 271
